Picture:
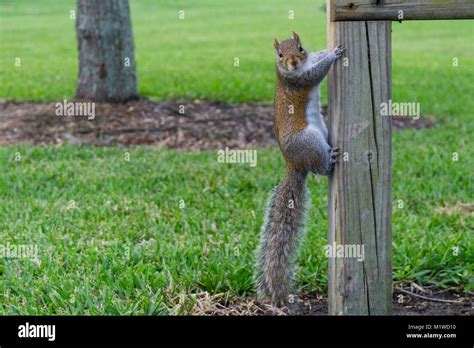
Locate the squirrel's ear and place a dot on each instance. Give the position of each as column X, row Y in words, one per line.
column 276, row 44
column 296, row 37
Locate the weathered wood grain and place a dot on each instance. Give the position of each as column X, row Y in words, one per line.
column 360, row 188
column 362, row 10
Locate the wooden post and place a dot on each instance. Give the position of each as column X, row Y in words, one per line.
column 396, row 10
column 360, row 188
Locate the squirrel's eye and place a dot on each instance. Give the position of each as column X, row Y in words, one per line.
column 280, row 55
column 301, row 49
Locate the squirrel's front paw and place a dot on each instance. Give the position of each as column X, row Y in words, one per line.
column 333, row 153
column 338, row 51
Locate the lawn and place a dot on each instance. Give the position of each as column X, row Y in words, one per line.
column 150, row 235
column 194, row 57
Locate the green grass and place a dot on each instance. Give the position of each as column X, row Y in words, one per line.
column 128, row 247
column 194, row 57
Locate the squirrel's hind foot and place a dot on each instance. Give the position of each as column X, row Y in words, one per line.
column 330, row 161
column 333, row 154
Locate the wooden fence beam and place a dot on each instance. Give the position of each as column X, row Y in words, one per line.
column 360, row 187
column 395, row 10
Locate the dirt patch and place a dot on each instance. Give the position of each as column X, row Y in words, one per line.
column 459, row 207
column 405, row 302
column 401, row 122
column 175, row 124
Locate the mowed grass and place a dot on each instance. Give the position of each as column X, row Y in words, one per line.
column 150, row 235
column 194, row 57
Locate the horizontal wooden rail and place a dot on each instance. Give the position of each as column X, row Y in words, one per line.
column 400, row 10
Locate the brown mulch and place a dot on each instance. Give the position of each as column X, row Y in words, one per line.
column 204, row 125
column 408, row 304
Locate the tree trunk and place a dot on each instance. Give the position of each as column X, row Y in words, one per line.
column 106, row 51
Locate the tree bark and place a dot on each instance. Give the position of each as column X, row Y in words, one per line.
column 106, row 51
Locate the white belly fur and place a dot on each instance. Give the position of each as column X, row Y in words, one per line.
column 313, row 109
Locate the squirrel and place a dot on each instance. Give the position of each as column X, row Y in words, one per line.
column 303, row 140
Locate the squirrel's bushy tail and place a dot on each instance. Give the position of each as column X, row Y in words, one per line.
column 283, row 228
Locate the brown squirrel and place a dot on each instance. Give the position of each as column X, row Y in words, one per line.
column 303, row 140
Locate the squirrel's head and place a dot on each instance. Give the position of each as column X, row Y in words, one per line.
column 290, row 55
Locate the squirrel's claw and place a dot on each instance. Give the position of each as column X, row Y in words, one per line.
column 333, row 154
column 338, row 51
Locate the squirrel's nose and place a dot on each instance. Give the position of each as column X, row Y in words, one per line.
column 292, row 62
